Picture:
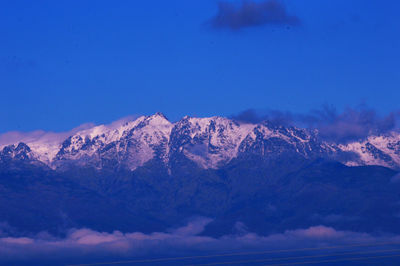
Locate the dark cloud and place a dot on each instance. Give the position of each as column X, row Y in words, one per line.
column 251, row 14
column 350, row 125
column 248, row 116
column 253, row 116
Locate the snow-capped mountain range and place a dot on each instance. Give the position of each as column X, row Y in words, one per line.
column 209, row 142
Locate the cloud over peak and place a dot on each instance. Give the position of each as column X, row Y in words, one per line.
column 251, row 14
column 351, row 124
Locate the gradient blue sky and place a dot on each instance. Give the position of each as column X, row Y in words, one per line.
column 64, row 63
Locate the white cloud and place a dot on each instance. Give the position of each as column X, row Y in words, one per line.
column 14, row 137
column 86, row 243
column 46, row 144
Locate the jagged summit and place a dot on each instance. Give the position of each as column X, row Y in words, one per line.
column 159, row 114
column 210, row 142
column 21, row 151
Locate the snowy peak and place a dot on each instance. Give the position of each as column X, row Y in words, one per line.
column 131, row 145
column 160, row 115
column 155, row 123
column 17, row 152
column 210, row 142
column 147, row 140
column 376, row 150
column 269, row 140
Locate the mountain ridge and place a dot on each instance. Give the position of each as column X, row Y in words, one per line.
column 210, row 142
column 150, row 175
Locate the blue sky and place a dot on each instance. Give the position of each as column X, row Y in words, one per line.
column 64, row 63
